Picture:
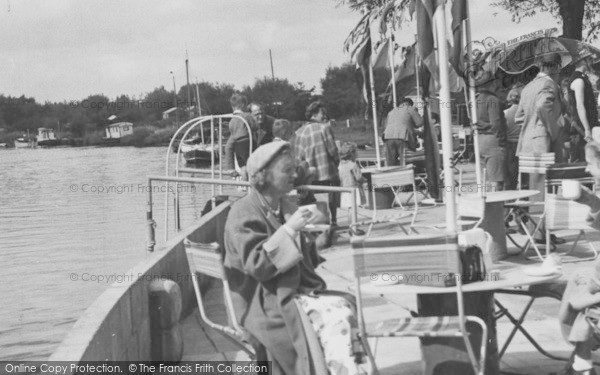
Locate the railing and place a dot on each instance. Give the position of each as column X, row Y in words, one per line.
column 151, row 224
column 191, row 125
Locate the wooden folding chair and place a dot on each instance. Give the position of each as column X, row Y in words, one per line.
column 397, row 256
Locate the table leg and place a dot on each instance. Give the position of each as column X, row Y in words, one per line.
column 493, row 223
column 448, row 356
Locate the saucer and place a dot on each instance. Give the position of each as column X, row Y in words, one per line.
column 316, row 228
column 380, row 282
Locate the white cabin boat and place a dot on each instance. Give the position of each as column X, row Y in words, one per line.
column 116, row 131
column 47, row 138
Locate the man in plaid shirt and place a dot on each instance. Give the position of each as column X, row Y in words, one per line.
column 315, row 145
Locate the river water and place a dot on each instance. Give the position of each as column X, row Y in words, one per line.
column 70, row 217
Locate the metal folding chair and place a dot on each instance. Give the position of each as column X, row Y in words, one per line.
column 206, row 259
column 397, row 256
column 529, row 164
column 563, row 213
column 547, row 290
column 395, row 179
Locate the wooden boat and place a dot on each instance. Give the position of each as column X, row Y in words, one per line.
column 195, row 151
column 47, row 138
column 24, row 142
column 116, row 131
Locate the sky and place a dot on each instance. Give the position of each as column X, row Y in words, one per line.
column 55, row 50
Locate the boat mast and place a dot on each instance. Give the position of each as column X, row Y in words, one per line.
column 187, row 78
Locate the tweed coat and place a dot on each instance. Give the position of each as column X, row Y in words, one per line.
column 539, row 115
column 263, row 284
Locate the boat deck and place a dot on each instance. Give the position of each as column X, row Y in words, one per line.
column 201, row 343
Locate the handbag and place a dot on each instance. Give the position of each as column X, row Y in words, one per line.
column 473, row 266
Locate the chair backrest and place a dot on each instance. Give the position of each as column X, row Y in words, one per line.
column 535, row 163
column 471, row 205
column 406, row 254
column 564, row 213
column 394, row 177
column 205, row 259
column 556, row 173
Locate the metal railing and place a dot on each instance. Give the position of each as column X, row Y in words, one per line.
column 191, row 125
column 151, row 224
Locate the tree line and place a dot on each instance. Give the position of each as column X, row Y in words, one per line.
column 340, row 89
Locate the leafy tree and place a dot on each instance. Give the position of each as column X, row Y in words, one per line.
column 342, row 92
column 156, row 102
column 577, row 15
column 280, row 97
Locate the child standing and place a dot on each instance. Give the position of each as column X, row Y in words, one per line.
column 350, row 175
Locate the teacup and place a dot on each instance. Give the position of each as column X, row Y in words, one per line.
column 571, row 189
column 552, row 261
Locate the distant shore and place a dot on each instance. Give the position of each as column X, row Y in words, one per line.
column 151, row 136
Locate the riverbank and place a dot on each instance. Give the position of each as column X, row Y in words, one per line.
column 353, row 130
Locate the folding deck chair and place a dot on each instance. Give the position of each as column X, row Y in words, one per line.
column 529, row 164
column 397, row 256
column 207, row 259
column 394, row 179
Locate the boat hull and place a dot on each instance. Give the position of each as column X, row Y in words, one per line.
column 24, row 144
column 118, row 325
column 49, row 143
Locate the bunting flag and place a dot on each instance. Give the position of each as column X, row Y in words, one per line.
column 358, row 40
column 425, row 11
column 459, row 15
column 358, row 45
column 382, row 55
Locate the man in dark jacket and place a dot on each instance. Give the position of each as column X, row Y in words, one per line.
column 264, row 124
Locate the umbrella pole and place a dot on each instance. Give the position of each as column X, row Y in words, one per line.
column 392, row 65
column 473, row 97
column 374, row 107
column 446, row 120
column 417, row 68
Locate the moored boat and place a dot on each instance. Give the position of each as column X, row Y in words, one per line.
column 197, row 152
column 24, row 142
column 47, row 138
column 115, row 132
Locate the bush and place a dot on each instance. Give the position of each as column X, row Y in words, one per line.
column 140, row 133
column 92, row 138
column 161, row 137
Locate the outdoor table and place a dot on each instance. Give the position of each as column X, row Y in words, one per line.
column 449, row 354
column 493, row 218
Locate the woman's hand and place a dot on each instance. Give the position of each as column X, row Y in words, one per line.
column 299, row 219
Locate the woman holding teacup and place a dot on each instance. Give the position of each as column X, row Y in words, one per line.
column 271, row 266
column 582, row 291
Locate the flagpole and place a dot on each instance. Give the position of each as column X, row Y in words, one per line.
column 445, row 118
column 417, row 68
column 374, row 107
column 392, row 65
column 473, row 97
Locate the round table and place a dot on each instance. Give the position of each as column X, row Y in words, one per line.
column 493, row 218
column 450, row 354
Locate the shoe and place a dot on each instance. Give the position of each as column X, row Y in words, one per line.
column 553, row 240
column 357, row 232
column 557, row 240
